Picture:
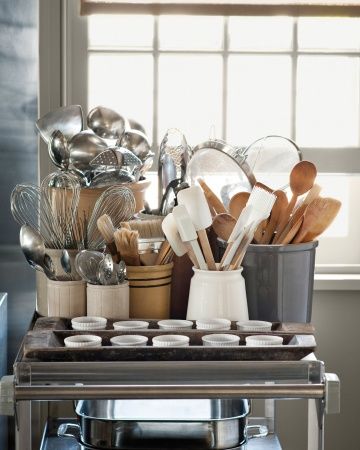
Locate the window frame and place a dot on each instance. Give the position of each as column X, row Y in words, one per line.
column 63, row 69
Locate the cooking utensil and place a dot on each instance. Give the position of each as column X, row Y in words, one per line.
column 257, row 209
column 62, row 190
column 292, row 226
column 220, row 164
column 58, row 150
column 118, row 203
column 181, row 423
column 223, row 225
column 237, row 203
column 172, row 235
column 214, row 202
column 84, row 147
column 311, row 195
column 87, row 265
column 302, row 179
column 134, row 125
column 107, row 229
column 68, row 120
column 120, row 270
column 277, row 211
column 271, row 158
column 29, row 207
column 317, row 218
column 65, row 261
column 137, row 142
column 188, row 234
column 105, row 270
column 194, row 200
column 126, row 242
column 33, row 248
column 106, row 123
column 117, row 158
column 106, row 179
column 174, row 157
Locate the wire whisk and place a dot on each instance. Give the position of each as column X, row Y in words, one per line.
column 118, row 202
column 62, row 191
column 29, row 207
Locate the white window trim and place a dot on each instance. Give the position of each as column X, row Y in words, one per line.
column 63, row 38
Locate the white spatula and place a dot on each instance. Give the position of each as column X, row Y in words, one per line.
column 172, row 235
column 188, row 233
column 196, row 205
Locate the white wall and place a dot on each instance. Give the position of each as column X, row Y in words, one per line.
column 336, row 317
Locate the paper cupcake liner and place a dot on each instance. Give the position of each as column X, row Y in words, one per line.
column 88, row 323
column 83, row 340
column 129, row 340
column 171, row 340
column 213, row 324
column 131, row 325
column 263, row 341
column 254, row 325
column 220, row 340
column 175, row 324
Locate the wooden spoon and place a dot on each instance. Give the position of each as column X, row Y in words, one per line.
column 237, row 203
column 317, row 218
column 278, row 209
column 293, row 226
column 213, row 201
column 223, row 225
column 302, row 179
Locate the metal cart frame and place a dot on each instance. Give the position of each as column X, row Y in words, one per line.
column 55, row 381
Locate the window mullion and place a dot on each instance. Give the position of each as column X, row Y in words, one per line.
column 225, row 77
column 155, row 137
column 294, row 63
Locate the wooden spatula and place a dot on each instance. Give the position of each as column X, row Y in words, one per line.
column 237, row 203
column 279, row 208
column 318, row 217
column 223, row 224
column 214, row 202
column 294, row 224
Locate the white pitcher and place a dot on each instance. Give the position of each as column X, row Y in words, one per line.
column 217, row 294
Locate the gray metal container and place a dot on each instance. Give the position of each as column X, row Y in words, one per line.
column 279, row 281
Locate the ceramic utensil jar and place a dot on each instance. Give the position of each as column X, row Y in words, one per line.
column 110, row 301
column 217, row 294
column 66, row 298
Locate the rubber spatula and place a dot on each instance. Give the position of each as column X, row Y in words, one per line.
column 171, row 232
column 196, row 205
column 188, row 233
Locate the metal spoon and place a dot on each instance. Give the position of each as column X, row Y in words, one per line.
column 65, row 261
column 104, row 179
column 87, row 265
column 137, row 142
column 106, row 123
column 134, row 125
column 121, row 272
column 33, row 248
column 69, row 120
column 84, row 147
column 105, row 271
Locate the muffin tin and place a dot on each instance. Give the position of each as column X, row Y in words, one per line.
column 45, row 342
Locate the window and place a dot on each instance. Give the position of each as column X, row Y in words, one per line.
column 238, row 78
column 243, row 77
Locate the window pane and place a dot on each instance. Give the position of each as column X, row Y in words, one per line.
column 190, row 32
column 120, row 31
column 260, row 33
column 190, row 95
column 329, row 34
column 258, row 97
column 327, row 101
column 123, row 83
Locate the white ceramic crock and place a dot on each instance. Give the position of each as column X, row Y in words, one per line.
column 218, row 294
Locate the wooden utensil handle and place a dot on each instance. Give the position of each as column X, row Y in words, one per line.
column 281, row 226
column 213, row 201
column 205, row 245
column 165, row 246
column 191, row 255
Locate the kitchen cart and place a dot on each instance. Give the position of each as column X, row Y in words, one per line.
column 37, row 382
